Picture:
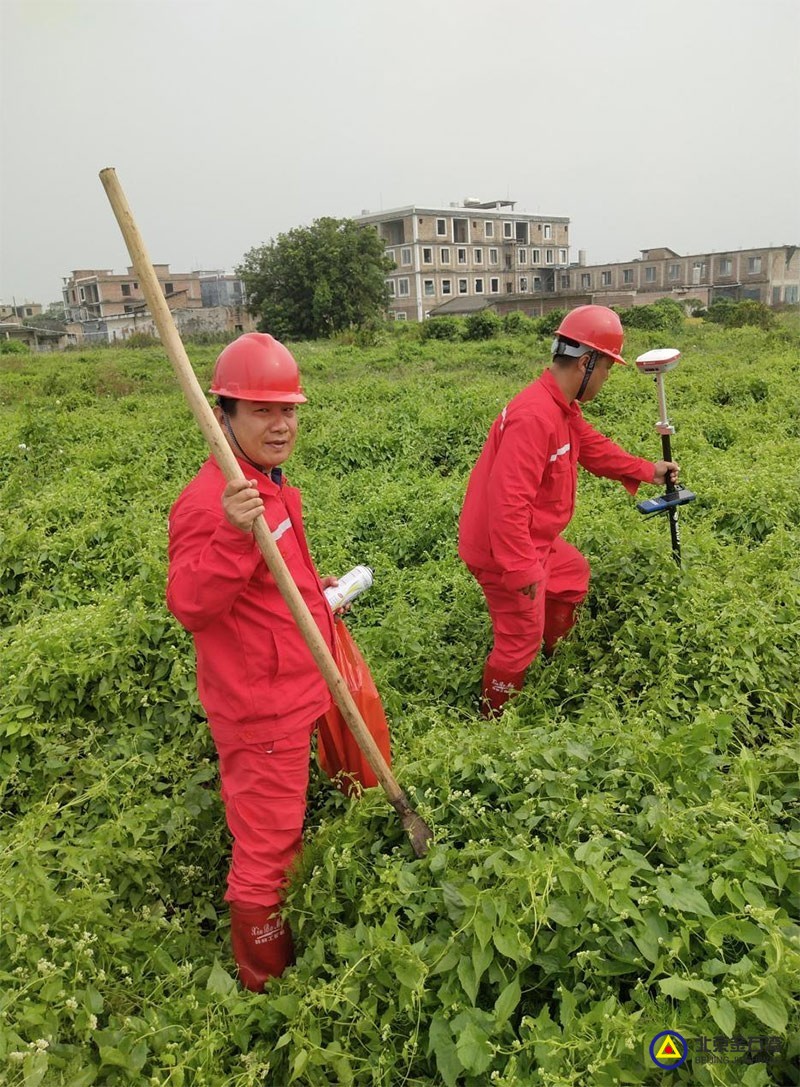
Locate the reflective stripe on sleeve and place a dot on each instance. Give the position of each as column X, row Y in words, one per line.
column 284, row 526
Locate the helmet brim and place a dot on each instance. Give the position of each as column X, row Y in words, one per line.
column 263, row 396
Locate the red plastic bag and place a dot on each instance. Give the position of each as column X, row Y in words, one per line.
column 337, row 748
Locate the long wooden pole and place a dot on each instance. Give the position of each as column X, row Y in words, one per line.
column 416, row 828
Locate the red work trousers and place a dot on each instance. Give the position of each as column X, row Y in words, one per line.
column 518, row 621
column 264, row 787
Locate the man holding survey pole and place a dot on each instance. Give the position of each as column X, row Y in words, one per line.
column 257, row 679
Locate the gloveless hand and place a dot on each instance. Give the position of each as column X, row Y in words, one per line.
column 663, row 468
column 242, row 504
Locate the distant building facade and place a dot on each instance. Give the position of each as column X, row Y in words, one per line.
column 22, row 312
column 105, row 307
column 470, row 250
column 770, row 275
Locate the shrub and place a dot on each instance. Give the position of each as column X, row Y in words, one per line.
column 442, row 328
column 665, row 315
column 730, row 314
column 517, row 324
column 547, row 324
column 13, row 347
column 483, row 325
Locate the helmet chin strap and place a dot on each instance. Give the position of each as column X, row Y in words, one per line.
column 235, row 441
column 590, row 365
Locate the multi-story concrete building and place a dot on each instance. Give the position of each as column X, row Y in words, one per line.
column 472, row 250
column 770, row 275
column 103, row 307
column 24, row 312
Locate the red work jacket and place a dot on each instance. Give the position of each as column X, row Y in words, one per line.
column 521, row 493
column 255, row 675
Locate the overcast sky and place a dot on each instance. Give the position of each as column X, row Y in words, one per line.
column 228, row 122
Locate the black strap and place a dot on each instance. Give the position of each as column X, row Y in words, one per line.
column 590, row 365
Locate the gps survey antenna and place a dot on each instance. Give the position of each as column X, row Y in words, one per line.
column 657, row 363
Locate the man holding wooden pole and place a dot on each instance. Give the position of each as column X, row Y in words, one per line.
column 256, row 676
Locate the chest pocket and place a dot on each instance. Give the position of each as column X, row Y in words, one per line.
column 557, row 480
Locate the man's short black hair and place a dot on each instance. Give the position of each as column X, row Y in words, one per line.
column 228, row 405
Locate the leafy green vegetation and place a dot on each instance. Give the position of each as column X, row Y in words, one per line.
column 617, row 857
column 317, row 280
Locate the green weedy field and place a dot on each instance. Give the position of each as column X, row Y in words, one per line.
column 616, row 858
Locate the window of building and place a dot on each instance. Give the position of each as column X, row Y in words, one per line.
column 605, row 279
column 391, row 286
column 135, row 286
column 537, row 283
column 444, row 255
column 126, row 289
column 650, row 274
column 493, row 256
column 523, row 284
column 509, row 287
column 83, row 294
column 479, row 286
column 402, row 288
column 447, row 286
column 74, row 299
column 754, row 265
column 401, row 316
column 508, row 230
column 522, row 256
column 462, row 256
column 565, row 282
column 488, row 229
column 548, row 256
column 405, row 257
column 494, row 285
column 477, row 256
column 169, row 288
column 790, row 293
column 462, row 286
column 427, row 255
column 586, row 279
column 128, row 309
column 674, row 271
column 460, row 230
column 627, row 275
column 536, row 256
column 441, row 228
column 562, row 256
column 391, row 255
column 521, row 233
column 725, row 266
column 547, row 231
column 428, row 288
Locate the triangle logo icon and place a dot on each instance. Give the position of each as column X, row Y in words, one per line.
column 669, row 1050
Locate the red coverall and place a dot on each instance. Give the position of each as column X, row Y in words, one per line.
column 256, row 677
column 520, row 496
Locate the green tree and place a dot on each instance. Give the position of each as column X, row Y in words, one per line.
column 317, row 280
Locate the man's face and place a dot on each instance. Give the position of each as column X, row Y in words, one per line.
column 599, row 376
column 266, row 431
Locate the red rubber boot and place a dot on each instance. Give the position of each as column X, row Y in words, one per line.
column 559, row 619
column 498, row 688
column 261, row 942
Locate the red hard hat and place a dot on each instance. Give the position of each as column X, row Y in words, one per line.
column 257, row 367
column 594, row 326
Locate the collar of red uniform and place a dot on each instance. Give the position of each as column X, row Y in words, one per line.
column 263, row 477
column 554, row 389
